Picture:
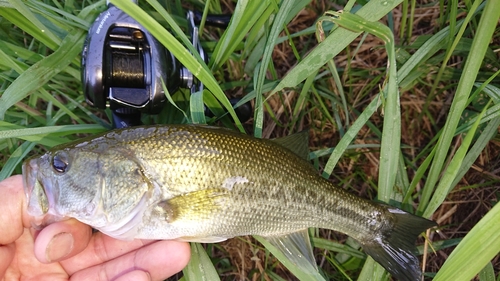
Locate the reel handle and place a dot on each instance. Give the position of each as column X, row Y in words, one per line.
column 220, row 21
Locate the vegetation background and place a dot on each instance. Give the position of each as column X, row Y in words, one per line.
column 402, row 103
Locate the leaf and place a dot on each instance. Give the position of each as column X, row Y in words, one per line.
column 8, row 130
column 487, row 25
column 476, row 250
column 42, row 72
column 487, row 273
column 200, row 267
column 277, row 27
column 244, row 17
column 339, row 39
column 197, row 108
column 15, row 158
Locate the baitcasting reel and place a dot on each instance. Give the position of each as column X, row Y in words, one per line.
column 123, row 65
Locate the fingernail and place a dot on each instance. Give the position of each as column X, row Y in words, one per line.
column 59, row 247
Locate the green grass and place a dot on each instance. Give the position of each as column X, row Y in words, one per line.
column 402, row 110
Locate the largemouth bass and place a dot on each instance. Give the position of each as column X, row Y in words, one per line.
column 208, row 184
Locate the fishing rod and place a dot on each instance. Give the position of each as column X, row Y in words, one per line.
column 123, row 66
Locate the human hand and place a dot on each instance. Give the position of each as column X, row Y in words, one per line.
column 69, row 250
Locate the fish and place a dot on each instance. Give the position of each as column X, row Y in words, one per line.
column 206, row 184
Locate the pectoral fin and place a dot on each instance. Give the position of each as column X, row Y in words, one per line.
column 194, row 206
column 294, row 250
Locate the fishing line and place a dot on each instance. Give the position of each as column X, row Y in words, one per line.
column 127, row 69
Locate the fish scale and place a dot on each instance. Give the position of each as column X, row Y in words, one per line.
column 208, row 184
column 271, row 165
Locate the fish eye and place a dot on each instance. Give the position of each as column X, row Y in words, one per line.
column 60, row 162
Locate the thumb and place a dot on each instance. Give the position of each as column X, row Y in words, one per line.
column 6, row 255
column 11, row 219
column 61, row 240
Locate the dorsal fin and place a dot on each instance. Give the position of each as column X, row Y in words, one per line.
column 298, row 143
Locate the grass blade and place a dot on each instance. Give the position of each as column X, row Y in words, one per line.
column 391, row 134
column 278, row 23
column 22, row 17
column 197, row 108
column 245, row 16
column 349, row 137
column 41, row 72
column 487, row 273
column 487, row 25
column 36, row 134
column 333, row 44
column 449, row 176
column 200, row 267
column 482, row 243
column 16, row 158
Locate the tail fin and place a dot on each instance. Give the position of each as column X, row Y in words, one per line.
column 395, row 250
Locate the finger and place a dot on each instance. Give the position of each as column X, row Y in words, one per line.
column 6, row 255
column 13, row 217
column 100, row 249
column 136, row 275
column 62, row 240
column 161, row 260
column 25, row 266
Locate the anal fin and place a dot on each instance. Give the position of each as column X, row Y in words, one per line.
column 206, row 239
column 294, row 250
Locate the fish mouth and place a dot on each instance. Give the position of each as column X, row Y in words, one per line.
column 37, row 195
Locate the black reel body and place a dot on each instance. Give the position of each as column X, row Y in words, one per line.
column 123, row 64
